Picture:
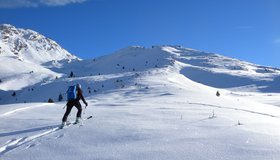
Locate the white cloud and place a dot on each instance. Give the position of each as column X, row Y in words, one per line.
column 60, row 2
column 36, row 3
column 16, row 3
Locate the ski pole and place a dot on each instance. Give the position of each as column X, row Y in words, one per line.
column 64, row 107
column 85, row 109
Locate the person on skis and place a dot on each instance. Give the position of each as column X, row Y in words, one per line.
column 74, row 101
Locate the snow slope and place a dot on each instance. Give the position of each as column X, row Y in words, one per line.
column 25, row 57
column 165, row 116
column 147, row 103
column 103, row 73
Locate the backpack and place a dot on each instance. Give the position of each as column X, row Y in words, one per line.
column 72, row 93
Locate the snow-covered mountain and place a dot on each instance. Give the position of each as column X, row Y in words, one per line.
column 208, row 69
column 30, row 46
column 25, row 56
column 147, row 103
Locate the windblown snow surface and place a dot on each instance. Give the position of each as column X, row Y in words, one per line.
column 147, row 103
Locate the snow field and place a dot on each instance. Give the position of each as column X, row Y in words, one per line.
column 155, row 123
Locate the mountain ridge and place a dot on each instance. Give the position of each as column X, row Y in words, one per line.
column 204, row 68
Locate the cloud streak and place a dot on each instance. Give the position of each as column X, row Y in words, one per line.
column 36, row 3
column 60, row 2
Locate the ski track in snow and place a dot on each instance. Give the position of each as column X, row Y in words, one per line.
column 237, row 109
column 15, row 143
column 21, row 109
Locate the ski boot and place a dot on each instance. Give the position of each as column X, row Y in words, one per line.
column 78, row 120
column 63, row 124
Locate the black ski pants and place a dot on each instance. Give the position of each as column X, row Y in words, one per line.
column 70, row 105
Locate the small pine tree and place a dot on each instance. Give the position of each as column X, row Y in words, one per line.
column 218, row 94
column 50, row 100
column 60, row 97
column 14, row 94
column 71, row 74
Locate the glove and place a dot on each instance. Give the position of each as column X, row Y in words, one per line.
column 86, row 104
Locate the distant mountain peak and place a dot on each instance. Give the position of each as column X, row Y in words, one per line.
column 6, row 26
column 29, row 45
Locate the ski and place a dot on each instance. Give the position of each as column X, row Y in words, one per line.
column 74, row 123
column 81, row 123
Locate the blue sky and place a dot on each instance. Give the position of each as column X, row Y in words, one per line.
column 244, row 29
